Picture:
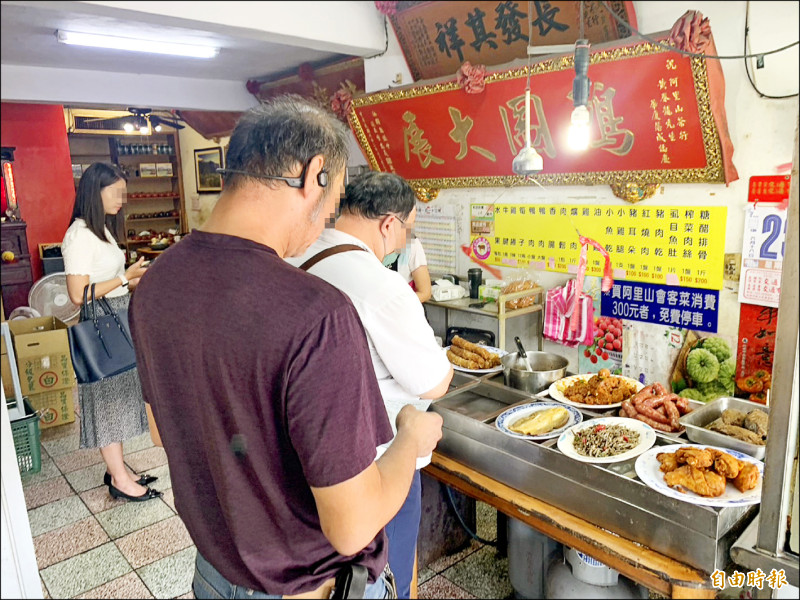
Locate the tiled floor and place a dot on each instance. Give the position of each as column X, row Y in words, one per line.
column 89, row 545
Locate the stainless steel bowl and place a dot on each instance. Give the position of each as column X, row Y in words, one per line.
column 546, row 369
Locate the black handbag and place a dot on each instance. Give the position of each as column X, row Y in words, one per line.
column 101, row 346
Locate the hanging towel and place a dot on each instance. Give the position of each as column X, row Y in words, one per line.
column 569, row 316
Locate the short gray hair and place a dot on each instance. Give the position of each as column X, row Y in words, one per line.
column 276, row 136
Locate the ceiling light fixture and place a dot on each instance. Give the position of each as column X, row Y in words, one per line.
column 128, row 127
column 135, row 45
column 579, row 134
column 528, row 161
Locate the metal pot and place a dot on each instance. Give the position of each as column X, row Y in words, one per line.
column 547, row 368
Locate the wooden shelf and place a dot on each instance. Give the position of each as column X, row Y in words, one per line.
column 84, row 154
column 157, row 177
column 155, row 218
column 170, row 197
column 138, row 241
column 145, row 155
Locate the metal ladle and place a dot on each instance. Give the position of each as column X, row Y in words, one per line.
column 522, row 355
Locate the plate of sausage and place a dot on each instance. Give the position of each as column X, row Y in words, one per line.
column 474, row 358
column 656, row 406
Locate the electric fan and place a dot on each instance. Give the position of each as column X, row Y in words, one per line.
column 49, row 297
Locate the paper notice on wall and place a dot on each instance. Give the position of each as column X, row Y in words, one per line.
column 649, row 351
column 762, row 255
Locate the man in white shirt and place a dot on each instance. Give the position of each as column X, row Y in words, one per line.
column 377, row 212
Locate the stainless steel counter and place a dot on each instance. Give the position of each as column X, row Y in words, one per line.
column 609, row 496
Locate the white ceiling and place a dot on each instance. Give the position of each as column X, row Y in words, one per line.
column 28, row 38
column 258, row 40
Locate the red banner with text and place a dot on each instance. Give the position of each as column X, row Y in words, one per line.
column 651, row 122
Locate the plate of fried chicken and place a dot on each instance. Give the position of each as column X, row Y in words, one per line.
column 701, row 474
column 595, row 391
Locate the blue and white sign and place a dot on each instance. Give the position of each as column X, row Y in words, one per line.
column 676, row 306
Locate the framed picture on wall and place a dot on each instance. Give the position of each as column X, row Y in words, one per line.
column 206, row 163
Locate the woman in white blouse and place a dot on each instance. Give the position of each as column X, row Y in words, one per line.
column 111, row 410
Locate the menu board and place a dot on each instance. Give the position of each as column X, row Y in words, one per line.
column 678, row 246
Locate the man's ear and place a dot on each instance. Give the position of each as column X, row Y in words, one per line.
column 314, row 174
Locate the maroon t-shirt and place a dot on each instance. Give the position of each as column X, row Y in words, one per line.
column 261, row 384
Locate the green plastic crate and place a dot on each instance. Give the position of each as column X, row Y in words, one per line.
column 26, row 441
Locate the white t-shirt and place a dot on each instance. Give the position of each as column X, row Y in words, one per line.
column 85, row 254
column 411, row 258
column 406, row 358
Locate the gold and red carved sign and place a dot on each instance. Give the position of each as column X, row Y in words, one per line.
column 436, row 37
column 651, row 122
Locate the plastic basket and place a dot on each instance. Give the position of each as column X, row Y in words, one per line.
column 26, row 441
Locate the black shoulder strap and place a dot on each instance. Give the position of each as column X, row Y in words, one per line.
column 329, row 252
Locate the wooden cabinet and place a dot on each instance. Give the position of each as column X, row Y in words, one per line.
column 152, row 166
column 16, row 272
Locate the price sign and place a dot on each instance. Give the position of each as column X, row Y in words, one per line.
column 762, row 255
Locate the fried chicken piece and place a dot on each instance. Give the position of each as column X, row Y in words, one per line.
column 699, row 458
column 702, row 483
column 668, row 461
column 747, row 478
column 726, row 465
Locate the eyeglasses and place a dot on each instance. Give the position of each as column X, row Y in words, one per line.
column 402, row 222
column 293, row 182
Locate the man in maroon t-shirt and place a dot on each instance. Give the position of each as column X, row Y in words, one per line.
column 260, row 381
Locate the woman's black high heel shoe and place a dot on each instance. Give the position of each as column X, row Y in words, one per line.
column 143, row 480
column 148, row 495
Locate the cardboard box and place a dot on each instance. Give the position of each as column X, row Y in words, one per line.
column 55, row 408
column 5, row 373
column 43, row 357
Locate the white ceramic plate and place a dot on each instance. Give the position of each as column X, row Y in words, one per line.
column 647, row 437
column 519, row 412
column 557, row 388
column 493, row 350
column 648, row 471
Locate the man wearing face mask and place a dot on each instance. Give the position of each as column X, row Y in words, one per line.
column 377, row 214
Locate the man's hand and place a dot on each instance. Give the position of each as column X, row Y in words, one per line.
column 424, row 428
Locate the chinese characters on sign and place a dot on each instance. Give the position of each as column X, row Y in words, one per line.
column 669, row 123
column 775, row 580
column 650, row 113
column 769, row 188
column 757, row 328
column 436, row 37
column 663, row 305
column 676, row 246
column 762, row 255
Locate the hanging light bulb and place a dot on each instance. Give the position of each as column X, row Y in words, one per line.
column 128, row 127
column 528, row 161
column 579, row 134
column 158, row 128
